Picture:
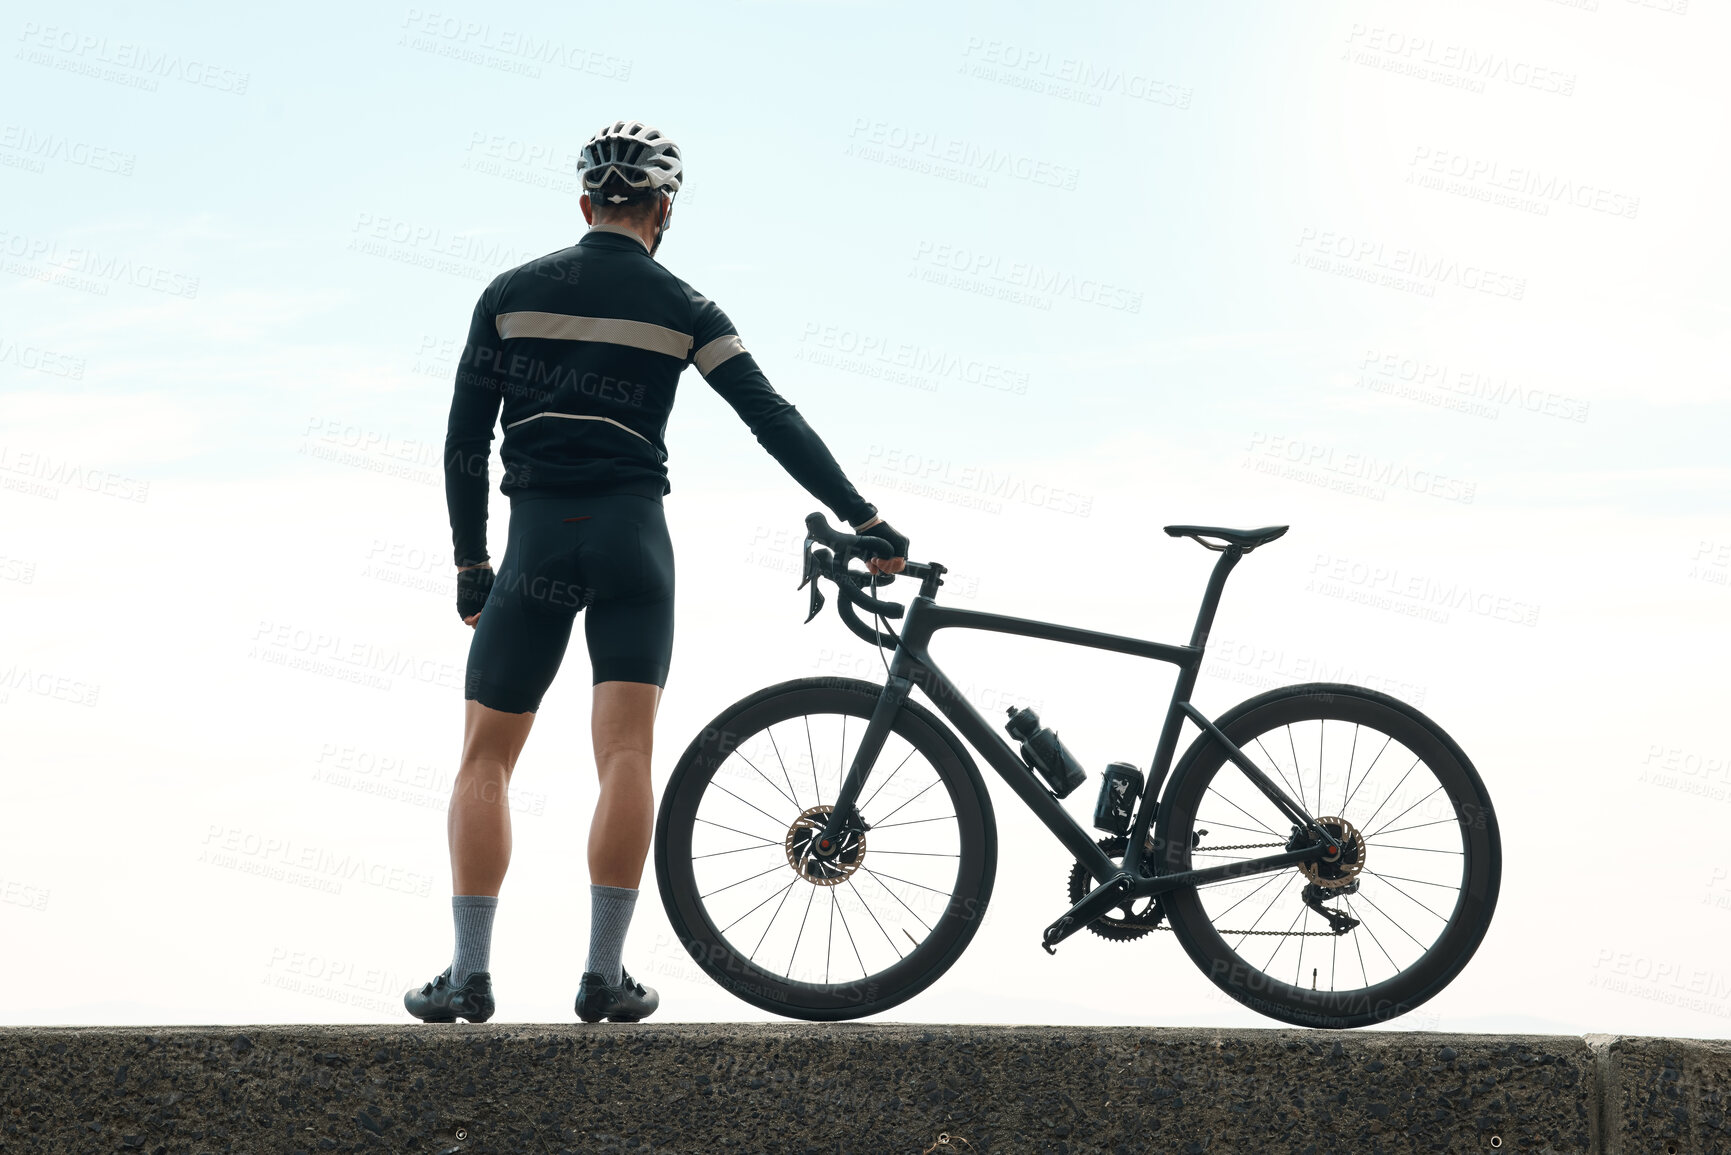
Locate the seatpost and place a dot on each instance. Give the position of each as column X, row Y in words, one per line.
column 1211, row 596
column 1181, row 690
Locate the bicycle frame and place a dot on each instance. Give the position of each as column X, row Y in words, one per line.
column 914, row 666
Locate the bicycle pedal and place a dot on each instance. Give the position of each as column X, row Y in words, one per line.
column 1095, row 903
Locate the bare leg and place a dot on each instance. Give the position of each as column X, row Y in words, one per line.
column 479, row 821
column 623, row 726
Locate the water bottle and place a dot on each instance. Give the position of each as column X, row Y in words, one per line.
column 1042, row 750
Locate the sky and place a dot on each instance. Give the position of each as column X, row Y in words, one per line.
column 1439, row 285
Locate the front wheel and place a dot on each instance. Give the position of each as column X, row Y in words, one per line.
column 1361, row 940
column 813, row 938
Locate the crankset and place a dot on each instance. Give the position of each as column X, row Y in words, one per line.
column 1126, row 923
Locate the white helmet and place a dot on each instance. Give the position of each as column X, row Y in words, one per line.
column 637, row 154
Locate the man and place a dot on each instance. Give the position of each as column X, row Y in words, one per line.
column 578, row 353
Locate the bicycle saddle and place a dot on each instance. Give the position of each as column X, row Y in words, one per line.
column 1247, row 539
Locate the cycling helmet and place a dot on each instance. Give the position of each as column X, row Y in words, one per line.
column 640, row 156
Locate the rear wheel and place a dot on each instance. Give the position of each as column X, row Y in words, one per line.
column 1366, row 938
column 807, row 937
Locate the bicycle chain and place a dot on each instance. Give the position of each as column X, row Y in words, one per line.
column 1287, row 933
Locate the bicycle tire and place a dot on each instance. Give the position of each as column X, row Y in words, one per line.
column 730, row 966
column 1474, row 823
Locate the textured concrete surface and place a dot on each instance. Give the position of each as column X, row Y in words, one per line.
column 1666, row 1096
column 850, row 1088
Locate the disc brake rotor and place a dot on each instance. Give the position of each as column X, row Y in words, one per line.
column 831, row 871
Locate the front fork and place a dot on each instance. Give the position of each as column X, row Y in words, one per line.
column 842, row 817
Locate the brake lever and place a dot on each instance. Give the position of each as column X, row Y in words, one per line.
column 813, row 566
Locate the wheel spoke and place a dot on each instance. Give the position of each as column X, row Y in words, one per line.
column 813, row 754
column 755, row 909
column 1278, row 770
column 1266, row 909
column 1397, row 925
column 1243, row 811
column 861, row 807
column 743, row 881
column 874, row 918
column 737, row 850
column 811, row 898
column 1387, row 741
column 769, row 732
column 1405, row 812
column 1351, row 757
column 1440, row 918
column 1419, row 881
column 1366, row 823
column 911, row 822
column 752, row 957
column 1297, row 767
column 732, row 795
column 718, row 825
column 1421, row 849
column 898, row 898
column 1420, row 826
column 849, row 931
column 770, row 780
column 923, row 789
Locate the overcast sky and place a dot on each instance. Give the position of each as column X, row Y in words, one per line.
column 1439, row 285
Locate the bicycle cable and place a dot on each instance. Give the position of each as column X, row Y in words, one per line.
column 882, row 625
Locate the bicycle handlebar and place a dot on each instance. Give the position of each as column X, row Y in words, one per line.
column 848, row 544
column 820, row 561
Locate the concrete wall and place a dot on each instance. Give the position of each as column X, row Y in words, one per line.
column 787, row 1088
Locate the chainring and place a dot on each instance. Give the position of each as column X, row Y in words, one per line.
column 1126, row 924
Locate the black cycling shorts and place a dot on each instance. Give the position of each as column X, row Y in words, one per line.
column 609, row 555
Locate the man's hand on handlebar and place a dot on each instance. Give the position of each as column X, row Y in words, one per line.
column 878, row 527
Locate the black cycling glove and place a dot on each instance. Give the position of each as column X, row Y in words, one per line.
column 898, row 542
column 473, row 585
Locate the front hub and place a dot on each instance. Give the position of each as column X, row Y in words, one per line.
column 825, row 864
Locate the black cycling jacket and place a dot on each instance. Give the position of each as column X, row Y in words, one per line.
column 582, row 349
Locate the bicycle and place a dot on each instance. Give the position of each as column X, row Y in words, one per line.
column 891, row 851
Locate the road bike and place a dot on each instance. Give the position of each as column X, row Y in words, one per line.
column 826, row 847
